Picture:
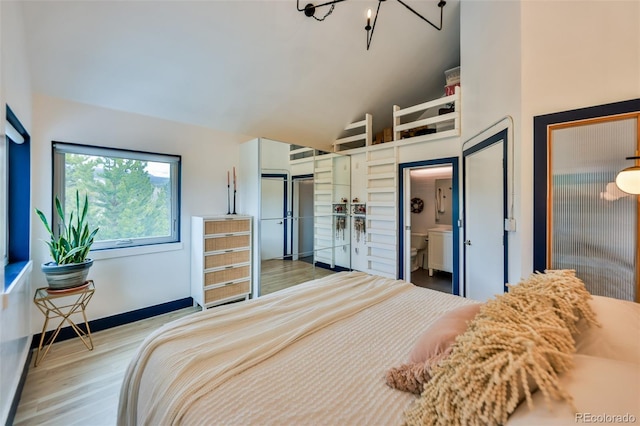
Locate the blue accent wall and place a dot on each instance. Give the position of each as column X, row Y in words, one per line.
column 18, row 193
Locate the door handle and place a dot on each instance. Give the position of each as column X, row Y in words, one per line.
column 467, row 242
column 280, row 223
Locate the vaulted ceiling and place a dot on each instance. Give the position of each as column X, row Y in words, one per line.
column 258, row 68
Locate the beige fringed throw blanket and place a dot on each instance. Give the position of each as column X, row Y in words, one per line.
column 519, row 341
column 234, row 338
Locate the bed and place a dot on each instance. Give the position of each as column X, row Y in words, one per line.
column 317, row 353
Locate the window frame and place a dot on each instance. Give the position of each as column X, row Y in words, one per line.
column 59, row 151
column 4, row 214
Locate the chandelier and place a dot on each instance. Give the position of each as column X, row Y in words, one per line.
column 310, row 11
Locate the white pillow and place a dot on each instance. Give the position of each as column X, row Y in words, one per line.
column 602, row 389
column 619, row 336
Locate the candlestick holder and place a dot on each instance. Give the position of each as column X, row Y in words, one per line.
column 228, row 199
column 234, row 202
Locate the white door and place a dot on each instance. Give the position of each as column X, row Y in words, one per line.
column 406, row 197
column 272, row 238
column 484, row 222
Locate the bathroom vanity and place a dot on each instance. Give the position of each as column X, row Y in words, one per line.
column 440, row 255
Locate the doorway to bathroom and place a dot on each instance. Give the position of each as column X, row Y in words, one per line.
column 429, row 209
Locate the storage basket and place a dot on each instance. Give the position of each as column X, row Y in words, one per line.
column 452, row 76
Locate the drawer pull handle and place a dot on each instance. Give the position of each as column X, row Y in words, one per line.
column 229, row 267
column 229, row 235
column 229, row 283
column 228, row 251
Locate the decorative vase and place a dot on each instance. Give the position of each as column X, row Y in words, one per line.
column 66, row 276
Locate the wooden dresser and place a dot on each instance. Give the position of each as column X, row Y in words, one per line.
column 220, row 259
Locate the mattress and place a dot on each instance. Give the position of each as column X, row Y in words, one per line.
column 317, row 354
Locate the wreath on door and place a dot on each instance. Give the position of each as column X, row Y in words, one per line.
column 416, row 205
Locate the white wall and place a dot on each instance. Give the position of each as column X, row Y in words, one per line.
column 249, row 198
column 441, row 148
column 127, row 283
column 423, row 188
column 444, row 187
column 537, row 57
column 490, row 56
column 15, row 90
column 275, row 156
column 274, row 159
column 588, row 54
column 16, row 86
column 490, row 62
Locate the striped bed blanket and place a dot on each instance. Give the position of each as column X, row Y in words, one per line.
column 315, row 353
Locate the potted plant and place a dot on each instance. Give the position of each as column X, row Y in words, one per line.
column 69, row 249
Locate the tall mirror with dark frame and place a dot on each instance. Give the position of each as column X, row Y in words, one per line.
column 304, row 214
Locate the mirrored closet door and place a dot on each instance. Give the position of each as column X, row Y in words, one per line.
column 301, row 214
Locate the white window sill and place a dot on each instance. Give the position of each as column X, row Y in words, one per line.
column 134, row 251
column 14, row 274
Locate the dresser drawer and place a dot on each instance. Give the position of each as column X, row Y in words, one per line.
column 226, row 226
column 222, row 259
column 229, row 290
column 224, row 275
column 227, row 242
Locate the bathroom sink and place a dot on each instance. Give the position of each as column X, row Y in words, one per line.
column 442, row 228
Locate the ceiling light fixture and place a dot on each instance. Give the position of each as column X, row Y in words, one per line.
column 310, row 11
column 628, row 179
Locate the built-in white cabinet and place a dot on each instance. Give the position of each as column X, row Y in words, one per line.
column 440, row 250
column 220, row 259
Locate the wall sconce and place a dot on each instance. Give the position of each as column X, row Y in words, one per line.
column 628, row 180
column 310, row 9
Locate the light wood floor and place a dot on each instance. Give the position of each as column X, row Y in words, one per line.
column 75, row 386
column 277, row 274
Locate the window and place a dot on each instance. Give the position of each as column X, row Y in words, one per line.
column 133, row 196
